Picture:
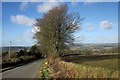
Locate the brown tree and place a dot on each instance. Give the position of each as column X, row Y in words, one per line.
column 56, row 30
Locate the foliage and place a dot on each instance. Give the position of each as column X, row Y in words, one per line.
column 23, row 52
column 35, row 51
column 45, row 72
column 4, row 53
column 21, row 57
column 73, row 70
column 56, row 29
column 17, row 61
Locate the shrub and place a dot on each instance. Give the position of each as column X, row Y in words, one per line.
column 4, row 53
column 17, row 61
column 45, row 72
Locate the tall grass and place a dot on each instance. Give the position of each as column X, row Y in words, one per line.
column 95, row 72
column 86, row 67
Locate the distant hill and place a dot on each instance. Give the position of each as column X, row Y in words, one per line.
column 14, row 48
column 97, row 45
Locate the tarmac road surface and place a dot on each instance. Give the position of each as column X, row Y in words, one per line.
column 26, row 71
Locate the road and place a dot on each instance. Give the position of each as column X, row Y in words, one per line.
column 26, row 71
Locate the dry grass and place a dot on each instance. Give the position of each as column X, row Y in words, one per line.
column 99, row 67
column 62, row 69
column 73, row 70
column 95, row 72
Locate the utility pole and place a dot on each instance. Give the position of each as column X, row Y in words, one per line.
column 9, row 49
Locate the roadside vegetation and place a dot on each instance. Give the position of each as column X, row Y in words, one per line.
column 20, row 57
column 54, row 37
column 45, row 71
column 55, row 33
column 81, row 67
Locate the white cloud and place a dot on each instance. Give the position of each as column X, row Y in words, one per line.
column 35, row 29
column 28, row 35
column 59, row 0
column 99, row 0
column 22, row 19
column 105, row 25
column 23, row 6
column 88, row 2
column 92, row 0
column 90, row 27
column 51, row 0
column 46, row 6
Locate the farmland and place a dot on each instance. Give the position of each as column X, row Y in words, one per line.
column 78, row 64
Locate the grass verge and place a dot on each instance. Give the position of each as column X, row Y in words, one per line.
column 45, row 71
column 77, row 68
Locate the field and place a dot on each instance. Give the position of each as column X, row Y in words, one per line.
column 105, row 61
column 95, row 66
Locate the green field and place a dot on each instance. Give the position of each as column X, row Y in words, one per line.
column 104, row 61
column 95, row 66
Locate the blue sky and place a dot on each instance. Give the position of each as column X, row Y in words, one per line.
column 99, row 26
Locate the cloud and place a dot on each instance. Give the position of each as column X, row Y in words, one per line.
column 46, row 6
column 89, row 2
column 27, row 36
column 23, row 6
column 35, row 29
column 90, row 27
column 105, row 25
column 59, row 0
column 99, row 0
column 22, row 19
column 41, row 0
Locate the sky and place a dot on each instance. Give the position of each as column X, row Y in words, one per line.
column 100, row 24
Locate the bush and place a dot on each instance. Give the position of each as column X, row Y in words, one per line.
column 4, row 53
column 17, row 61
column 45, row 72
column 62, row 69
column 35, row 51
column 23, row 52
